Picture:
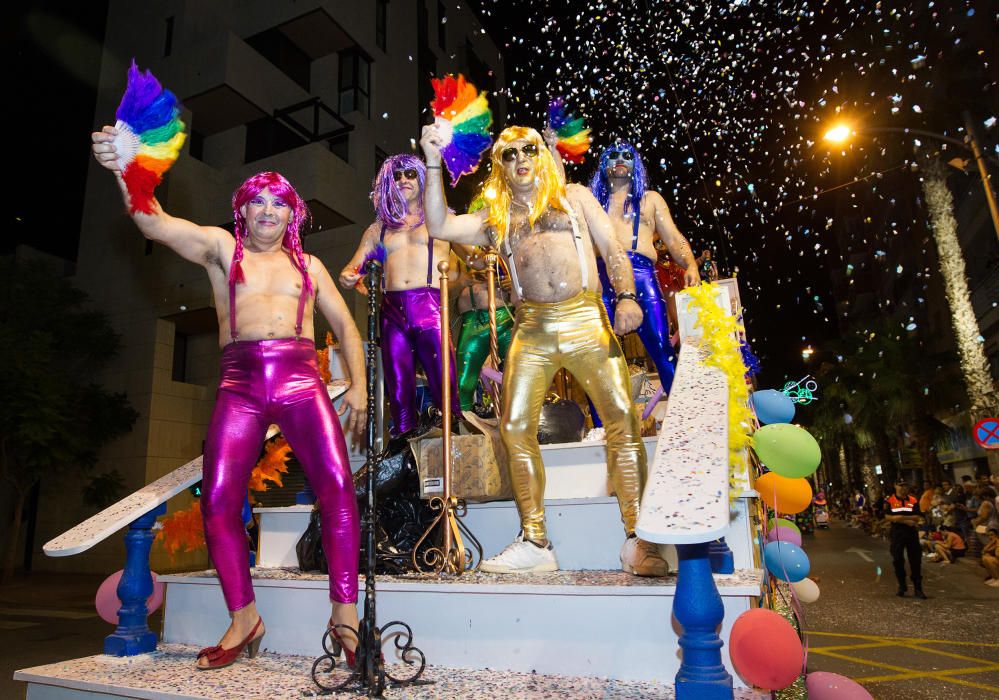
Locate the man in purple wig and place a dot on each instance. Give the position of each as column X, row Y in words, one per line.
column 266, row 290
column 411, row 305
column 640, row 216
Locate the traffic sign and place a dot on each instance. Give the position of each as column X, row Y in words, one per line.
column 986, row 433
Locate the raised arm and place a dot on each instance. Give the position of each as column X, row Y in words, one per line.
column 199, row 244
column 334, row 309
column 627, row 312
column 469, row 229
column 676, row 243
column 351, row 277
column 551, row 139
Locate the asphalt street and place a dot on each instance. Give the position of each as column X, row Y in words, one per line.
column 900, row 648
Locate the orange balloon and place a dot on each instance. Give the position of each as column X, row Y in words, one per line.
column 784, row 495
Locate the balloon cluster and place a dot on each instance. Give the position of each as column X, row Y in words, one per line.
column 765, row 648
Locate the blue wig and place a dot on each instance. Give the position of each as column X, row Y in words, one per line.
column 601, row 188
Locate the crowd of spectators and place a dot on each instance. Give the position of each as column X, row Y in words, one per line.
column 958, row 521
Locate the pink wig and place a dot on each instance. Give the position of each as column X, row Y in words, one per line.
column 279, row 187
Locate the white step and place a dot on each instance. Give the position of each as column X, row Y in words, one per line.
column 601, row 623
column 168, row 675
column 586, row 532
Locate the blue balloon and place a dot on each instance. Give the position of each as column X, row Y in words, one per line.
column 772, row 406
column 786, row 561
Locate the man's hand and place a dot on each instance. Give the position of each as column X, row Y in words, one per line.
column 104, row 150
column 627, row 316
column 691, row 277
column 550, row 137
column 356, row 401
column 432, row 142
column 349, row 277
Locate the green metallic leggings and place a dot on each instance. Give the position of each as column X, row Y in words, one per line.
column 473, row 348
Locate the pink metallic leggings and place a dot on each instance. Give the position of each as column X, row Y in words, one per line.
column 264, row 382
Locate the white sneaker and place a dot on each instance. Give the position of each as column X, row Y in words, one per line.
column 994, row 583
column 521, row 557
column 642, row 558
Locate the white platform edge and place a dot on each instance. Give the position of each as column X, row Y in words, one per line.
column 725, row 588
column 686, row 497
column 99, row 527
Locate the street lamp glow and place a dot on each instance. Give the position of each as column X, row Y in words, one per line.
column 807, row 353
column 837, row 134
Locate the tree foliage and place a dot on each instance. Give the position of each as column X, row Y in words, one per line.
column 54, row 417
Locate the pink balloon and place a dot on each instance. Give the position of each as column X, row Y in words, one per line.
column 765, row 649
column 784, row 534
column 107, row 601
column 822, row 685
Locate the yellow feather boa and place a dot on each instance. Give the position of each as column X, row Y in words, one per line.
column 720, row 341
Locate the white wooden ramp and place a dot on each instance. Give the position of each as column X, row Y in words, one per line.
column 686, row 496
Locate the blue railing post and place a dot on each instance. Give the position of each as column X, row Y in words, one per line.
column 722, row 561
column 699, row 609
column 305, row 497
column 133, row 635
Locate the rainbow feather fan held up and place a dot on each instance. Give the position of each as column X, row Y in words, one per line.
column 573, row 136
column 150, row 135
column 463, row 118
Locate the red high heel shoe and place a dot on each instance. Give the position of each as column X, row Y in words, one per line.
column 349, row 655
column 219, row 657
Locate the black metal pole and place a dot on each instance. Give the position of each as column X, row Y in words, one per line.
column 369, row 640
column 369, row 664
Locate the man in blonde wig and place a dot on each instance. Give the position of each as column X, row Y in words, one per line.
column 546, row 232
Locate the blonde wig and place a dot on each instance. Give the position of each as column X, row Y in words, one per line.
column 550, row 188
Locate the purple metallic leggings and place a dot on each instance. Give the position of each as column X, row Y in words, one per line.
column 654, row 331
column 411, row 330
column 264, row 382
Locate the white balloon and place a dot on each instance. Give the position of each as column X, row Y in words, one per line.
column 806, row 589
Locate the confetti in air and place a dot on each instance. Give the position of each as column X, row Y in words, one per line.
column 728, row 103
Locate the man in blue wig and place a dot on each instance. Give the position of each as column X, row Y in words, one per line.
column 639, row 217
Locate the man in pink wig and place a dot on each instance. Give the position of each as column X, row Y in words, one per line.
column 411, row 305
column 266, row 290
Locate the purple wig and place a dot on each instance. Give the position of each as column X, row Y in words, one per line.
column 279, row 187
column 390, row 204
column 601, row 188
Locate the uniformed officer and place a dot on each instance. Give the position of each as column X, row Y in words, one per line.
column 902, row 511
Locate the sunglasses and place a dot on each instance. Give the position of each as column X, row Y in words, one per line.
column 510, row 154
column 625, row 155
column 409, row 173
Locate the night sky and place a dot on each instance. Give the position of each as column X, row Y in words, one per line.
column 726, row 100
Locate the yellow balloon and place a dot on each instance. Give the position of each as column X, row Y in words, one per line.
column 784, row 495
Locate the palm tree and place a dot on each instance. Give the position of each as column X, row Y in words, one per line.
column 974, row 365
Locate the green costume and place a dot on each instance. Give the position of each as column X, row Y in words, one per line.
column 473, row 348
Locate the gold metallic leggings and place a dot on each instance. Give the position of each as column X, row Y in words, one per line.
column 574, row 334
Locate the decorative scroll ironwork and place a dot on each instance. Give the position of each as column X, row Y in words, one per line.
column 451, row 556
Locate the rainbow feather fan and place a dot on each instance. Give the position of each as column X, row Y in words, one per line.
column 150, row 135
column 463, row 117
column 573, row 136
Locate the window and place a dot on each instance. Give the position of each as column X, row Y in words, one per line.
column 380, row 157
column 340, row 147
column 381, row 24
column 355, row 82
column 196, row 145
column 168, row 42
column 267, row 136
column 441, row 26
